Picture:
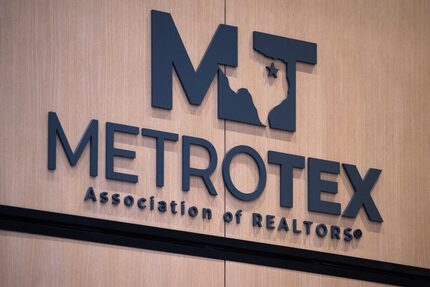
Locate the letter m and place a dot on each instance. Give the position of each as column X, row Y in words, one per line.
column 90, row 136
column 168, row 51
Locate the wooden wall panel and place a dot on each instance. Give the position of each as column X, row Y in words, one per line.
column 85, row 60
column 91, row 60
column 366, row 102
column 240, row 274
column 46, row 261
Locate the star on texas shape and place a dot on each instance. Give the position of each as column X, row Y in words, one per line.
column 272, row 71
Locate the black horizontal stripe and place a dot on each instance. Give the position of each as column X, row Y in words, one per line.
column 208, row 246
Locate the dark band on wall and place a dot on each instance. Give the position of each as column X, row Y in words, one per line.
column 208, row 246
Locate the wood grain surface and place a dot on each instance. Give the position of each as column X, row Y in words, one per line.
column 91, row 60
column 46, row 261
column 366, row 102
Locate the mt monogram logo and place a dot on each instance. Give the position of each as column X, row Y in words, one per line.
column 168, row 51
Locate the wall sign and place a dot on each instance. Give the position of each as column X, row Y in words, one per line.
column 168, row 54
